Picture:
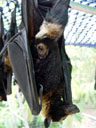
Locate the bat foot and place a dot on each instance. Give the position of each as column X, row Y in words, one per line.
column 47, row 123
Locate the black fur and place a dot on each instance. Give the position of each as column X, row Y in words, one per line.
column 59, row 13
column 48, row 71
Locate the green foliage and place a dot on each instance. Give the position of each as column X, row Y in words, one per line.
column 78, row 117
column 83, row 74
column 2, row 2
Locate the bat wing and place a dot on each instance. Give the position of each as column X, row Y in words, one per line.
column 22, row 65
column 11, row 32
column 3, row 80
column 1, row 33
column 22, row 62
column 5, row 70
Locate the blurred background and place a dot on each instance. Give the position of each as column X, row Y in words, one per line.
column 80, row 32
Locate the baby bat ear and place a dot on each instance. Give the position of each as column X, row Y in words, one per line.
column 50, row 30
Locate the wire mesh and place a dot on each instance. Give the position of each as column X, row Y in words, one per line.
column 81, row 27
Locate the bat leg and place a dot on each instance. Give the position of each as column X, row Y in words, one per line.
column 47, row 123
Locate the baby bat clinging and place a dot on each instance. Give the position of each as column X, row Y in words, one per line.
column 47, row 64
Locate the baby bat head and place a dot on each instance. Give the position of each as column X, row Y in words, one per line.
column 44, row 47
column 42, row 50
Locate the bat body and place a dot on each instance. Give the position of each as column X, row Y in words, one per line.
column 49, row 73
column 48, row 63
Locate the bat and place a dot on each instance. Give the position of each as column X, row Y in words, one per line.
column 3, row 79
column 57, row 97
column 5, row 67
column 48, row 72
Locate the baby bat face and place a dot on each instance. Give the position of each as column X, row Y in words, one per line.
column 42, row 50
column 43, row 47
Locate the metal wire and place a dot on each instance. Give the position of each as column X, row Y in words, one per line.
column 81, row 28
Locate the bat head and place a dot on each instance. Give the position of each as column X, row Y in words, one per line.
column 50, row 30
column 45, row 46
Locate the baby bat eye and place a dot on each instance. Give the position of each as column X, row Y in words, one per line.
column 40, row 48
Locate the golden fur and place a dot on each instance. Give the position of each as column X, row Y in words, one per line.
column 7, row 61
column 46, row 102
column 51, row 30
column 42, row 50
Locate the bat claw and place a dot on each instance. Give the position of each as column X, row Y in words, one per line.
column 47, row 123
